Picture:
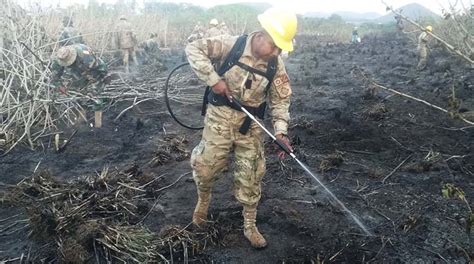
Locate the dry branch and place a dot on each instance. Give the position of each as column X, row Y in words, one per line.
column 371, row 83
column 98, row 216
column 30, row 108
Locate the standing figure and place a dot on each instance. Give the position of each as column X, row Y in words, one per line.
column 213, row 30
column 423, row 48
column 355, row 36
column 197, row 33
column 126, row 41
column 224, row 29
column 69, row 35
column 258, row 76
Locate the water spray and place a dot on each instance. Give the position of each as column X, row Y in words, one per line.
column 291, row 154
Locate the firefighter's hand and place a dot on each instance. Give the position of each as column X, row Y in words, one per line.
column 62, row 90
column 221, row 88
column 285, row 141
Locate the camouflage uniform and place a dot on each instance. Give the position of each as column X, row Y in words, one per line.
column 422, row 50
column 70, row 36
column 213, row 31
column 151, row 44
column 221, row 132
column 149, row 50
column 126, row 41
column 86, row 72
column 224, row 29
column 196, row 34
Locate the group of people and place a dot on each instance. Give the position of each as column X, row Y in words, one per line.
column 124, row 38
column 259, row 77
column 422, row 47
column 214, row 29
column 76, row 66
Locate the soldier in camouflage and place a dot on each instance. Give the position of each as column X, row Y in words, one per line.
column 423, row 48
column 221, row 133
column 213, row 29
column 77, row 67
column 224, row 29
column 69, row 35
column 197, row 33
column 126, row 41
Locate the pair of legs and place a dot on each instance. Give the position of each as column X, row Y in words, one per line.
column 126, row 56
column 220, row 137
column 423, row 55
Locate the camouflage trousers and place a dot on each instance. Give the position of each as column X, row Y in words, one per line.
column 220, row 137
column 126, row 53
column 422, row 56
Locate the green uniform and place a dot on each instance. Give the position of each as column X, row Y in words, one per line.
column 86, row 74
column 86, row 69
column 69, row 35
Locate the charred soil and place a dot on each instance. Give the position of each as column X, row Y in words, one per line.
column 386, row 157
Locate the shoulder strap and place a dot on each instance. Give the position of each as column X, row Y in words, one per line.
column 233, row 56
column 272, row 68
column 233, row 59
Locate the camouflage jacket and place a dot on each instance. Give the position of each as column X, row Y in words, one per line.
column 423, row 39
column 196, row 34
column 70, row 36
column 212, row 32
column 86, row 69
column 204, row 52
column 125, row 38
column 225, row 30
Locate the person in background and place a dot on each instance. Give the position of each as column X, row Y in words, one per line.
column 69, row 35
column 213, row 29
column 422, row 48
column 77, row 67
column 127, row 42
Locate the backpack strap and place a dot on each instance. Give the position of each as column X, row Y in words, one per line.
column 231, row 60
column 234, row 55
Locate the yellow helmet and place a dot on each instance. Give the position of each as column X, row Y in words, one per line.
column 214, row 22
column 281, row 26
column 429, row 28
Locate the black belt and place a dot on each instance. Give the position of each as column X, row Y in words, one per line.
column 220, row 100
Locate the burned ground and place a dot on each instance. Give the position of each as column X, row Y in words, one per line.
column 386, row 157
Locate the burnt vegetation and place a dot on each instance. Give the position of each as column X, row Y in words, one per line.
column 394, row 144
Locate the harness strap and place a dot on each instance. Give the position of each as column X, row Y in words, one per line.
column 231, row 60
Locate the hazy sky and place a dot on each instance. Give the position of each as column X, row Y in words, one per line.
column 299, row 6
